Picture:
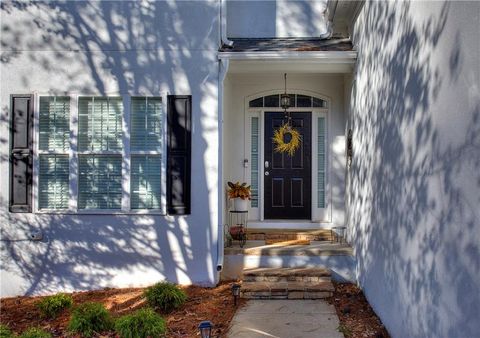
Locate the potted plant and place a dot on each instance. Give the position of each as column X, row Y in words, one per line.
column 241, row 194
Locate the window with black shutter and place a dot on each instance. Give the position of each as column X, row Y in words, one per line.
column 21, row 146
column 179, row 141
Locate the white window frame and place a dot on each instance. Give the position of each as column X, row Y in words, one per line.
column 73, row 156
column 37, row 153
column 162, row 153
column 318, row 215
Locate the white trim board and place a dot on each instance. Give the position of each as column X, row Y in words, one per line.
column 319, row 56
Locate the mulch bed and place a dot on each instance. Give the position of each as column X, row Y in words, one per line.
column 357, row 318
column 214, row 304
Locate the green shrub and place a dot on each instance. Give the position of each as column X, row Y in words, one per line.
column 89, row 318
column 165, row 296
column 35, row 332
column 5, row 332
column 51, row 306
column 142, row 323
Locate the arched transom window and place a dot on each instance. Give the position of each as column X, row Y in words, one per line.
column 298, row 101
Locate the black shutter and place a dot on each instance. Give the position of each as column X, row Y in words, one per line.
column 21, row 123
column 179, row 145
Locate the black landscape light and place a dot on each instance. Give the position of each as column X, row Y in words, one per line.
column 235, row 292
column 205, row 328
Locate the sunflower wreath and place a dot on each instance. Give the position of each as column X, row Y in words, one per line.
column 286, row 139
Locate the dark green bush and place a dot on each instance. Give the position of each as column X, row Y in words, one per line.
column 51, row 306
column 5, row 332
column 165, row 296
column 142, row 323
column 90, row 318
column 35, row 332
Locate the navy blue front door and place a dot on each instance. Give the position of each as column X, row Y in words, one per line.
column 288, row 179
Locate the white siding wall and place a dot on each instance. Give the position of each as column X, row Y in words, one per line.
column 276, row 18
column 243, row 85
column 113, row 48
column 415, row 179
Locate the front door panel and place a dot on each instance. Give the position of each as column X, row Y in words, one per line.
column 288, row 187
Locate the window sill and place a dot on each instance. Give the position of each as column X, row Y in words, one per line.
column 102, row 212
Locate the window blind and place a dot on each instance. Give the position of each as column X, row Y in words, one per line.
column 254, row 164
column 145, row 181
column 100, row 181
column 146, row 124
column 100, row 123
column 53, row 182
column 54, row 123
column 321, row 162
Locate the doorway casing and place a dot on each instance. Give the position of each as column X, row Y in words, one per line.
column 319, row 215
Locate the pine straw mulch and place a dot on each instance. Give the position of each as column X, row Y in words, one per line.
column 357, row 318
column 214, row 304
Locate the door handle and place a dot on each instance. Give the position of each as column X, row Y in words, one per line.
column 267, row 173
column 267, row 164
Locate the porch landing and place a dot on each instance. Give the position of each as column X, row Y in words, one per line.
column 315, row 248
column 337, row 257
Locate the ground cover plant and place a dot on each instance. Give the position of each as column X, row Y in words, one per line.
column 51, row 306
column 165, row 296
column 35, row 332
column 90, row 318
column 142, row 323
column 5, row 332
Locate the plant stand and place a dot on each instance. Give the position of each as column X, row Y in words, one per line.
column 236, row 230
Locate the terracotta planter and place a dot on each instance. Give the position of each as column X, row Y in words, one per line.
column 240, row 205
column 237, row 232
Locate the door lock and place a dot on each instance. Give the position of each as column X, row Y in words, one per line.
column 267, row 173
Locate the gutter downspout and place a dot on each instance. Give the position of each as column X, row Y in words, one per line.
column 223, row 25
column 329, row 16
column 222, row 73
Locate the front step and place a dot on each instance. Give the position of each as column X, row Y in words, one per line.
column 287, row 283
column 281, row 235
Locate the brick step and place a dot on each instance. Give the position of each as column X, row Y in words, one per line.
column 287, row 290
column 286, row 275
column 289, row 235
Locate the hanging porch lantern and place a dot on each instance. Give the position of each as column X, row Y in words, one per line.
column 286, row 101
column 286, row 138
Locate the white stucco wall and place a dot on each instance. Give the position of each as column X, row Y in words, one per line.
column 113, row 48
column 276, row 18
column 244, row 85
column 415, row 182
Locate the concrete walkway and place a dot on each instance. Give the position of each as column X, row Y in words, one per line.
column 285, row 319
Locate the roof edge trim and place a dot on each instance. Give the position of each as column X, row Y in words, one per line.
column 326, row 56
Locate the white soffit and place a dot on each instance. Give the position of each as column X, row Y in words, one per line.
column 313, row 56
column 289, row 66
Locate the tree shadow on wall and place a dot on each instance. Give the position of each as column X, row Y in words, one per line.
column 414, row 180
column 100, row 48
